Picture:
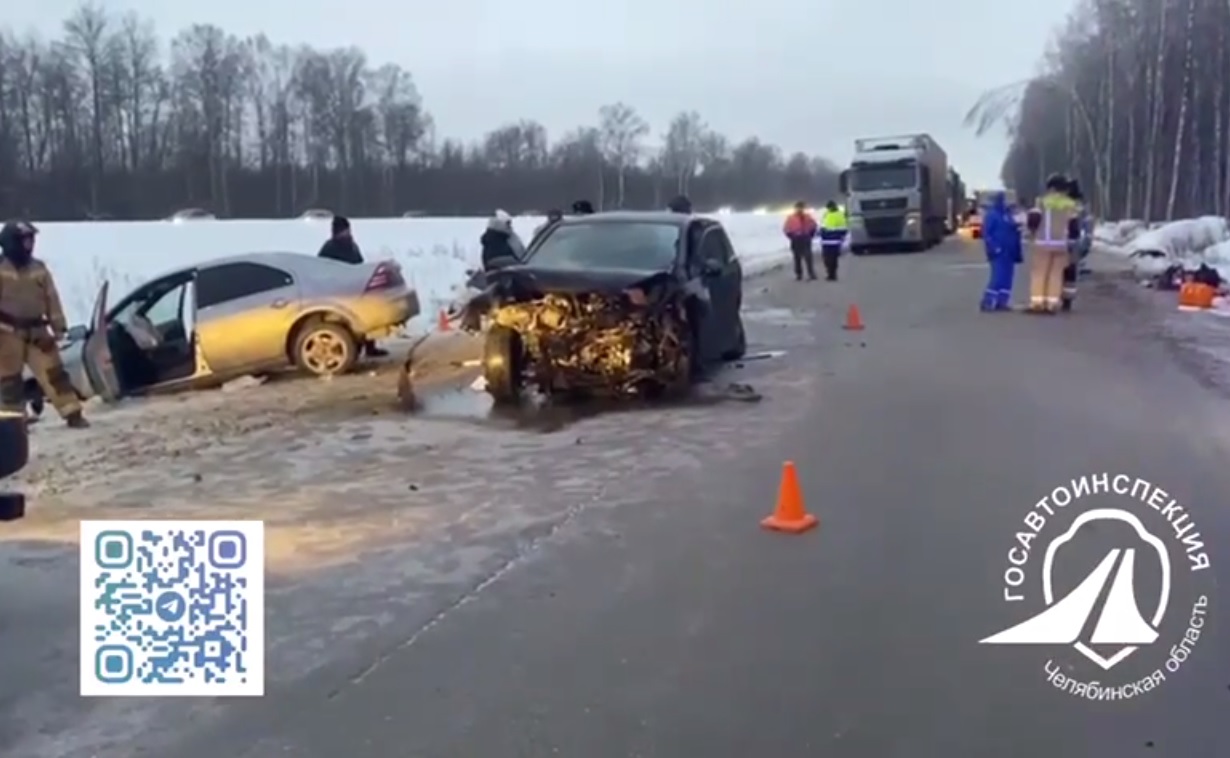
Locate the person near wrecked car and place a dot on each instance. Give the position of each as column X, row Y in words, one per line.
column 554, row 216
column 680, row 204
column 1002, row 238
column 1048, row 245
column 500, row 241
column 1080, row 237
column 799, row 229
column 342, row 248
column 833, row 230
column 31, row 324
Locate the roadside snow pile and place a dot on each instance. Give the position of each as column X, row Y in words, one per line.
column 1117, row 234
column 1187, row 242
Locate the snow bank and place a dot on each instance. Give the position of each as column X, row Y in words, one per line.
column 435, row 252
column 1154, row 248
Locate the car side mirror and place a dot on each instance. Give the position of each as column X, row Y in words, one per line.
column 76, row 333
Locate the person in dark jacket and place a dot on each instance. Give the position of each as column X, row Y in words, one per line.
column 500, row 241
column 1078, row 247
column 681, row 204
column 341, row 246
column 554, row 216
column 583, row 208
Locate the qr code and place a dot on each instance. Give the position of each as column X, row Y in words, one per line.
column 172, row 608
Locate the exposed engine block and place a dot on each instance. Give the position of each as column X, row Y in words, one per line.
column 598, row 342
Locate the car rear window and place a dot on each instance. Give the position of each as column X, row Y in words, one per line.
column 646, row 246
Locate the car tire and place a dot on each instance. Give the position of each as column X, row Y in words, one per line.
column 14, row 443
column 740, row 347
column 503, row 364
column 325, row 348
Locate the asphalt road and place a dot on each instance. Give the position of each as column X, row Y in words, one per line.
column 650, row 616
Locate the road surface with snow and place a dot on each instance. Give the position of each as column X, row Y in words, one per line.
column 457, row 584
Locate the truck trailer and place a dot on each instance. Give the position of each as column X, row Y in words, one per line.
column 897, row 193
column 956, row 201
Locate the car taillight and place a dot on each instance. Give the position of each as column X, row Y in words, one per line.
column 386, row 276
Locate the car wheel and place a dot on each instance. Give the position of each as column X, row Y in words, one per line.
column 14, row 443
column 740, row 348
column 323, row 348
column 502, row 364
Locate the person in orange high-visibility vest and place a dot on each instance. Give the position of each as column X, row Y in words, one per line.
column 800, row 228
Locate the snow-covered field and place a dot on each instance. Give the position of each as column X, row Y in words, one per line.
column 435, row 252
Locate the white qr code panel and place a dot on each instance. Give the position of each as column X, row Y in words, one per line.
column 172, row 608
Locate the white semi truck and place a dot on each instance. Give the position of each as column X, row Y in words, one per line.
column 898, row 193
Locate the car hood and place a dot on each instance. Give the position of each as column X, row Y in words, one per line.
column 572, row 281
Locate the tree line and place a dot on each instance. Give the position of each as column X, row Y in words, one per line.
column 1134, row 99
column 103, row 122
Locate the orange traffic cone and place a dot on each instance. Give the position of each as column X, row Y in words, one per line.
column 854, row 319
column 442, row 322
column 790, row 515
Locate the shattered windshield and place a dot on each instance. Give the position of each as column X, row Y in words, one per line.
column 871, row 178
column 638, row 246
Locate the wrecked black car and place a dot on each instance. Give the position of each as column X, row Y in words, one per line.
column 612, row 304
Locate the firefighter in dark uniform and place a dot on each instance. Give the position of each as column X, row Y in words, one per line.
column 31, row 323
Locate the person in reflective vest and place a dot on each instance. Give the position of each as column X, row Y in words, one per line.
column 832, row 237
column 1048, row 245
column 1080, row 236
column 1002, row 239
column 800, row 228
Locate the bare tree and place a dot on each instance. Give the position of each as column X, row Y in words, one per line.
column 1138, row 106
column 682, row 149
column 108, row 121
column 622, row 130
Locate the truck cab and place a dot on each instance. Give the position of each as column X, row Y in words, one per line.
column 897, row 190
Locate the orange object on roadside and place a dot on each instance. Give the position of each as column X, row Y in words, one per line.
column 854, row 320
column 1196, row 296
column 790, row 515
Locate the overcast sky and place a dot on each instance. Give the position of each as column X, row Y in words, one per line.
column 806, row 74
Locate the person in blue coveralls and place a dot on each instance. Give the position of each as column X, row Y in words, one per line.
column 1002, row 238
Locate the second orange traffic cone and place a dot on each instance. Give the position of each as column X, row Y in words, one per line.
column 854, row 319
column 790, row 515
column 442, row 321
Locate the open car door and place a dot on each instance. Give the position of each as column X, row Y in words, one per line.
column 96, row 353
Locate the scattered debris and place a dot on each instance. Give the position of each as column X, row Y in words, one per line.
column 763, row 355
column 243, row 383
column 479, row 384
column 742, row 392
column 405, row 380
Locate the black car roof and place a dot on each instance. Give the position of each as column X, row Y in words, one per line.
column 630, row 217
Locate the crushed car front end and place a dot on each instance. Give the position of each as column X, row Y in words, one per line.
column 602, row 333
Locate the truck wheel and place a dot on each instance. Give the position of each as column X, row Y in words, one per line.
column 503, row 364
